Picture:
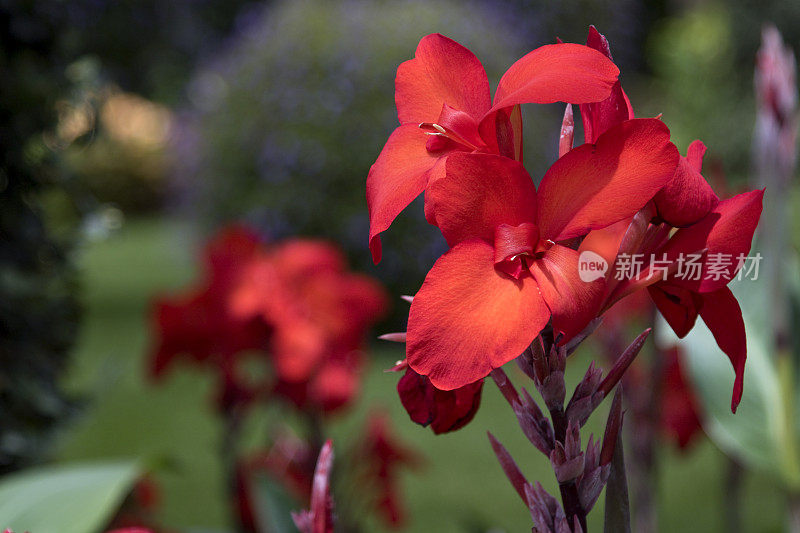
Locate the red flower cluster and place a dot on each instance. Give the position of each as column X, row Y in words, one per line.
column 291, row 306
column 512, row 271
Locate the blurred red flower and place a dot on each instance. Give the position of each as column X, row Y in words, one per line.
column 318, row 313
column 291, row 307
column 680, row 420
column 198, row 325
column 382, row 457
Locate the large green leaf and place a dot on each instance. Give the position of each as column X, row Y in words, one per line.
column 617, row 518
column 273, row 506
column 759, row 431
column 76, row 498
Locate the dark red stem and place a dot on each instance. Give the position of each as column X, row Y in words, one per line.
column 506, row 387
column 569, row 490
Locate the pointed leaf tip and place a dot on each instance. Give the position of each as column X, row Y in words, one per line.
column 510, row 467
column 623, row 362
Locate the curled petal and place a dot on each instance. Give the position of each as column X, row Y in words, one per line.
column 573, row 302
column 687, row 197
column 723, row 316
column 678, row 306
column 478, row 193
column 557, row 73
column 443, row 410
column 600, row 116
column 468, row 318
column 594, row 186
column 442, row 72
column 726, row 232
column 397, row 177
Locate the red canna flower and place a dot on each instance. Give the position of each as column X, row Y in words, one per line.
column 506, row 274
column 292, row 307
column 709, row 226
column 444, row 106
column 725, row 232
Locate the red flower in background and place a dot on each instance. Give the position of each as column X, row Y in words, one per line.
column 382, row 457
column 197, row 324
column 318, row 313
column 292, row 307
column 680, row 420
column 444, row 105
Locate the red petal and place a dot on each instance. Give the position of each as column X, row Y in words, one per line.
column 573, row 302
column 687, row 197
column 478, row 193
column 557, row 73
column 728, row 230
column 443, row 410
column 599, row 117
column 606, row 241
column 442, row 72
column 677, row 305
column 723, row 316
column 594, row 186
column 468, row 319
column 694, row 155
column 397, row 177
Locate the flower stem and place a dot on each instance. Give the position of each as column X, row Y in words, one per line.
column 569, row 490
column 232, row 422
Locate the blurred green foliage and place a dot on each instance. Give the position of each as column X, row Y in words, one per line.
column 285, row 123
column 38, row 308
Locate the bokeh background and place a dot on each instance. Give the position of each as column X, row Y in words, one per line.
column 130, row 131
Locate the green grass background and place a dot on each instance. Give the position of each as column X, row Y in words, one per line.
column 460, row 488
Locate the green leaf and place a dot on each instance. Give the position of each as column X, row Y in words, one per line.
column 75, row 498
column 273, row 506
column 617, row 511
column 757, row 433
